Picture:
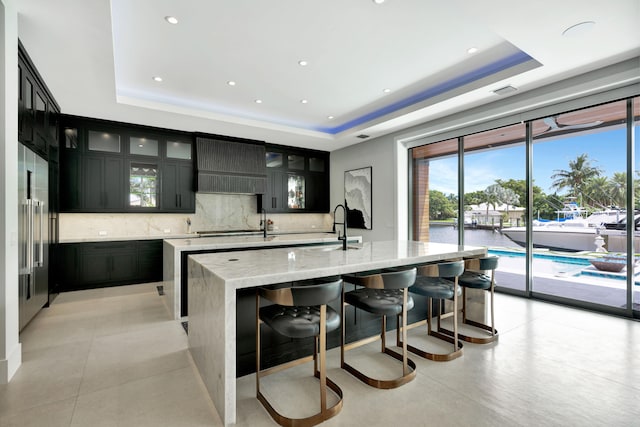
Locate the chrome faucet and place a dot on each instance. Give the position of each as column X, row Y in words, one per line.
column 263, row 222
column 344, row 225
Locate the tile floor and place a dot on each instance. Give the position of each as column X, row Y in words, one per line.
column 112, row 357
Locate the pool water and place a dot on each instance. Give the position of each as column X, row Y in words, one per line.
column 559, row 265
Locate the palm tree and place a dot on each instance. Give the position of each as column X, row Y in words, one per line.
column 492, row 196
column 579, row 173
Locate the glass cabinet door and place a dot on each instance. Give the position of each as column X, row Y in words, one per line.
column 296, row 192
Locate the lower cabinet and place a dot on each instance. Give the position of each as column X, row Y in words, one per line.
column 100, row 264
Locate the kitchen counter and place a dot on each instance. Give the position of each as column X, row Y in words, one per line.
column 214, row 279
column 109, row 238
column 173, row 260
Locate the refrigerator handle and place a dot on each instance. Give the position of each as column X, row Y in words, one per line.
column 40, row 207
column 29, row 235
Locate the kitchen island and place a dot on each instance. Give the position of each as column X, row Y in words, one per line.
column 215, row 278
column 174, row 266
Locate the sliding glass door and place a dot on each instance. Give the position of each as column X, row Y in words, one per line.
column 579, row 237
column 494, row 199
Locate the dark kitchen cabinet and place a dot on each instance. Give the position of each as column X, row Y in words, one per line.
column 177, row 187
column 37, row 109
column 297, row 181
column 103, row 184
column 112, row 262
column 119, row 167
column 99, row 264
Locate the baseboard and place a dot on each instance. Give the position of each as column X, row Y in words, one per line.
column 10, row 365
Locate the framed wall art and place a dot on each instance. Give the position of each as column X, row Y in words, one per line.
column 357, row 197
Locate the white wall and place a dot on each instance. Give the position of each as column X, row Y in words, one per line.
column 380, row 155
column 10, row 350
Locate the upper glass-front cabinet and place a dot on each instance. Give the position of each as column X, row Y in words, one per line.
column 179, row 150
column 143, row 146
column 103, row 141
column 274, row 160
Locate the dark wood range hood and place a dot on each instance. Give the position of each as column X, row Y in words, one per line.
column 224, row 166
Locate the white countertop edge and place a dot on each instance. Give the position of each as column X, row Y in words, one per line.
column 313, row 262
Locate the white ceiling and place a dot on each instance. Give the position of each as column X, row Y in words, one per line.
column 99, row 58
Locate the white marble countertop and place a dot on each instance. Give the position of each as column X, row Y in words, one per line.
column 228, row 238
column 257, row 267
column 224, row 242
column 109, row 238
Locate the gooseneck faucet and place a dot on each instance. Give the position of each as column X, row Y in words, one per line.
column 263, row 222
column 344, row 225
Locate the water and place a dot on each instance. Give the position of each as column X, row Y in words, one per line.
column 472, row 236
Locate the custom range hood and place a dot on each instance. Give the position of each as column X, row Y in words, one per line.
column 230, row 166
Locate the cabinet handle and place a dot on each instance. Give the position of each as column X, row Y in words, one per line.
column 273, row 203
column 176, row 204
column 180, row 198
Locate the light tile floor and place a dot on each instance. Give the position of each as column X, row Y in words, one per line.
column 113, row 357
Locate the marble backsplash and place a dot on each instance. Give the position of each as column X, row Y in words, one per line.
column 214, row 212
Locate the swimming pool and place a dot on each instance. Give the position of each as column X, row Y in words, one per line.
column 558, row 265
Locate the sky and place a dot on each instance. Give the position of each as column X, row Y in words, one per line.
column 606, row 150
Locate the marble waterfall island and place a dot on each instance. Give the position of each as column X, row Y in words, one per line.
column 214, row 279
column 175, row 251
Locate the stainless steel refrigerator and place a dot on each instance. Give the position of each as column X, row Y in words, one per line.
column 33, row 196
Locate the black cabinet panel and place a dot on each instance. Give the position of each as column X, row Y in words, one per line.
column 177, row 187
column 99, row 264
column 103, row 189
column 70, row 182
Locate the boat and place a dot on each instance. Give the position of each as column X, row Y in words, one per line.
column 571, row 231
column 616, row 234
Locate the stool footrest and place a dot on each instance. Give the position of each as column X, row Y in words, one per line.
column 312, row 420
column 384, row 384
column 475, row 340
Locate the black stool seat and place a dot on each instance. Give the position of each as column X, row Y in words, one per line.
column 298, row 321
column 386, row 302
column 434, row 287
column 475, row 280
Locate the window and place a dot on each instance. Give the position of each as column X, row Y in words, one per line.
column 143, row 180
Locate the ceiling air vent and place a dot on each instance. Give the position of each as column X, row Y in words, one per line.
column 505, row 90
column 362, row 136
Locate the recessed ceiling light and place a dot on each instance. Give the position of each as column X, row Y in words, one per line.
column 378, row 1
column 171, row 19
column 157, row 78
column 140, row 145
column 231, row 83
column 579, row 29
column 330, row 117
column 386, row 90
column 304, row 101
column 472, row 50
column 258, row 101
column 303, row 63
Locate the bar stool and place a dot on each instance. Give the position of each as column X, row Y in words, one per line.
column 439, row 281
column 301, row 311
column 384, row 294
column 475, row 277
